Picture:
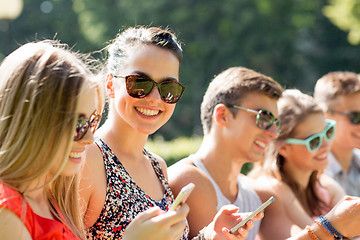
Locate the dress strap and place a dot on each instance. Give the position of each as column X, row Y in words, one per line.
column 157, row 168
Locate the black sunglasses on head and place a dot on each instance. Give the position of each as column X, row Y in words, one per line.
column 139, row 86
column 354, row 117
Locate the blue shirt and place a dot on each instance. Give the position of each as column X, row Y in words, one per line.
column 349, row 181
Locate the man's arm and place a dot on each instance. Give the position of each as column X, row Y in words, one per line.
column 202, row 201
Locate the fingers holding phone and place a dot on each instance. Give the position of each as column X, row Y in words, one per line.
column 252, row 215
column 243, row 231
column 155, row 224
column 182, row 196
column 228, row 216
column 225, row 219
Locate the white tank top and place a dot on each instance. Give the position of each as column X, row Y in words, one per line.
column 247, row 200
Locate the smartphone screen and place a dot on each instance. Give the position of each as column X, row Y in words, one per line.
column 259, row 209
column 182, row 196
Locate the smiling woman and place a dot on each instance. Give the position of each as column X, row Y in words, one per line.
column 122, row 179
column 292, row 168
column 46, row 92
column 142, row 84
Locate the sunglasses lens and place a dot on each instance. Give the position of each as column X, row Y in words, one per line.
column 314, row 143
column 138, row 86
column 171, row 92
column 81, row 128
column 278, row 125
column 355, row 117
column 330, row 133
column 265, row 119
column 94, row 122
column 83, row 125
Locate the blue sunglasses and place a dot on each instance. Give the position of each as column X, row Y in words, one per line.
column 313, row 142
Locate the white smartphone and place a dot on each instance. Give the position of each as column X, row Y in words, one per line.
column 259, row 209
column 182, row 196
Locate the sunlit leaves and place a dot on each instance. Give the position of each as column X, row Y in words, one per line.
column 346, row 15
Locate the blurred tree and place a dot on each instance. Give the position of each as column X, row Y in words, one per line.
column 292, row 41
column 49, row 19
column 289, row 40
column 346, row 15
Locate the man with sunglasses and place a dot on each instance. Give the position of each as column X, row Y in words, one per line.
column 239, row 119
column 339, row 95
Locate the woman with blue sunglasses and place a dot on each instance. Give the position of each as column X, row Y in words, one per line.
column 292, row 167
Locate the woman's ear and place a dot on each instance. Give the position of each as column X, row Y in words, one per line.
column 109, row 86
column 283, row 149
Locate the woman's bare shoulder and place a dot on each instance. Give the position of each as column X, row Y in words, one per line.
column 11, row 227
column 267, row 186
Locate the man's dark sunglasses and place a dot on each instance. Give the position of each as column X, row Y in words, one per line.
column 264, row 119
column 139, row 86
column 354, row 117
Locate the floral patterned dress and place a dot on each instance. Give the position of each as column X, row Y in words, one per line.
column 124, row 198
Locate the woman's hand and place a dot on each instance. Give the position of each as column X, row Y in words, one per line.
column 155, row 224
column 345, row 216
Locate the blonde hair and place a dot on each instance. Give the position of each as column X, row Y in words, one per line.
column 40, row 84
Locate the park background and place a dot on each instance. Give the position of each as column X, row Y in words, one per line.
column 293, row 41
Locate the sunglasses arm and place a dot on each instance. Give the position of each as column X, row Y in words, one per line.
column 242, row 108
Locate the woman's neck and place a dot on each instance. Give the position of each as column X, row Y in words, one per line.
column 297, row 176
column 122, row 137
column 35, row 195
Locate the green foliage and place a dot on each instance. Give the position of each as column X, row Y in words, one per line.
column 346, row 15
column 36, row 23
column 291, row 41
column 174, row 150
column 246, row 168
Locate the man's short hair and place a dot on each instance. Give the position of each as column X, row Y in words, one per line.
column 334, row 84
column 230, row 86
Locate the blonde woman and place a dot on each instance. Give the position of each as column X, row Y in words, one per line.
column 49, row 109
